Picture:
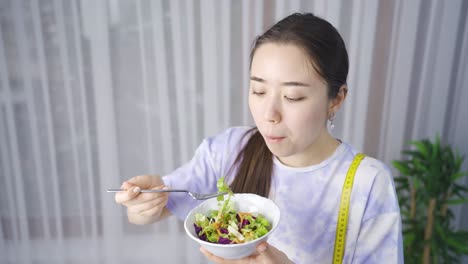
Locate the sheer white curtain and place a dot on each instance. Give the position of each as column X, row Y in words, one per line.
column 95, row 92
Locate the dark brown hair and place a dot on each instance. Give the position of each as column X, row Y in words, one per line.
column 327, row 54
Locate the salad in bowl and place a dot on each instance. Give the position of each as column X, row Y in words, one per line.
column 231, row 226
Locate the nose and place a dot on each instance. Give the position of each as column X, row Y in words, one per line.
column 272, row 112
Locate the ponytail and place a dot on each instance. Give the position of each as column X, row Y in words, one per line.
column 255, row 163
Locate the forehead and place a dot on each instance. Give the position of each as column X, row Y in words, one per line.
column 282, row 62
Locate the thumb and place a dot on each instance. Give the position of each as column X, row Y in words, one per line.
column 132, row 192
column 270, row 254
column 263, row 249
column 142, row 181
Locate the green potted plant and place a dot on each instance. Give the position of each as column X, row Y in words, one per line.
column 427, row 187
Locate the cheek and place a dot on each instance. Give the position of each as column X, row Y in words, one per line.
column 306, row 120
column 254, row 108
column 251, row 106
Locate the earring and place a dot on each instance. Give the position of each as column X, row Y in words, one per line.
column 332, row 120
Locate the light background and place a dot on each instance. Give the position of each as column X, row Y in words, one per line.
column 95, row 92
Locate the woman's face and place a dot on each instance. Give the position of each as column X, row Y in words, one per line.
column 289, row 104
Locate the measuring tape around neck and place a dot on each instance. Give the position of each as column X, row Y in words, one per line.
column 341, row 225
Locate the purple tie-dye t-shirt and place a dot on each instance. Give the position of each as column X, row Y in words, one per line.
column 309, row 199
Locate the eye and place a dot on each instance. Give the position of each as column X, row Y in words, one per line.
column 290, row 99
column 258, row 93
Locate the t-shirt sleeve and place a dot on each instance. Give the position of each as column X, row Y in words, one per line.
column 380, row 239
column 199, row 175
column 212, row 160
column 380, row 235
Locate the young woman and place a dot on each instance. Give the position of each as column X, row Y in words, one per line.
column 298, row 77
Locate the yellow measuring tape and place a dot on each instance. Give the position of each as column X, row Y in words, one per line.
column 342, row 223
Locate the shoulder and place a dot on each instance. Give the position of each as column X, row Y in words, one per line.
column 230, row 137
column 374, row 184
column 223, row 148
column 369, row 167
column 379, row 178
column 381, row 194
column 376, row 167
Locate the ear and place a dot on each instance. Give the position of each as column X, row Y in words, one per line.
column 335, row 103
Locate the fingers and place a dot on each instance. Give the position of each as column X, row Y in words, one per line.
column 148, row 208
column 219, row 260
column 268, row 254
column 143, row 181
column 262, row 248
column 265, row 254
column 136, row 183
column 156, row 210
column 145, row 197
column 247, row 260
column 131, row 193
column 143, row 208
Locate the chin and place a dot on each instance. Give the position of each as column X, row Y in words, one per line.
column 280, row 152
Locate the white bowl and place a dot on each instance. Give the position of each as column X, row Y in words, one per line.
column 242, row 202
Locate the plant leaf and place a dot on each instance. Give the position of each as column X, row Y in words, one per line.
column 459, row 175
column 402, row 167
column 458, row 241
column 400, row 179
column 458, row 201
column 423, row 147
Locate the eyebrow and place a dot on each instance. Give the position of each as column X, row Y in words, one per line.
column 257, row 79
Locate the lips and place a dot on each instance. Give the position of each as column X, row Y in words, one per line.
column 274, row 139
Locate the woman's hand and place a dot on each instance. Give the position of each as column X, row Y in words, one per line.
column 143, row 208
column 266, row 254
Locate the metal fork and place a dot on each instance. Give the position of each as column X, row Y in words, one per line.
column 196, row 196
